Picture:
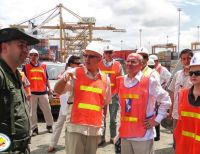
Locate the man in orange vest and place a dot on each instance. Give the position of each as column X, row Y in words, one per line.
column 137, row 93
column 38, row 78
column 91, row 91
column 26, row 85
column 165, row 75
column 113, row 69
column 187, row 130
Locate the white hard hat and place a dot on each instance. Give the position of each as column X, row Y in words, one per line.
column 195, row 59
column 154, row 57
column 33, row 51
column 142, row 50
column 151, row 62
column 96, row 47
column 108, row 48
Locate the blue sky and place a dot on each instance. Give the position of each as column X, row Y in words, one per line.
column 157, row 19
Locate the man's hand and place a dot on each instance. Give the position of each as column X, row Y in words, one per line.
column 149, row 123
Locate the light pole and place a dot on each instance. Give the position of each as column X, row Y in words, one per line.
column 121, row 43
column 198, row 33
column 179, row 19
column 140, row 30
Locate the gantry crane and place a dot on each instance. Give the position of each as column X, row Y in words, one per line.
column 70, row 34
column 166, row 46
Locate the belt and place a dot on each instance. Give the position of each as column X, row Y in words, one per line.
column 69, row 102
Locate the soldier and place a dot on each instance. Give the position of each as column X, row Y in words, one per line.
column 14, row 116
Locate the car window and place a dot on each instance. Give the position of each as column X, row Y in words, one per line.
column 54, row 71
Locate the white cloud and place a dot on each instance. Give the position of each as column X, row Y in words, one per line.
column 157, row 19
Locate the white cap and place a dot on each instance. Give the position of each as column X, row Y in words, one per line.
column 96, row 47
column 154, row 57
column 108, row 48
column 142, row 50
column 33, row 51
column 151, row 62
column 195, row 59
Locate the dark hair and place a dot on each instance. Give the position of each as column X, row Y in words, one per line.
column 184, row 51
column 72, row 60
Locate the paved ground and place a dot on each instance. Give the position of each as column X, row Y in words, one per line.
column 39, row 144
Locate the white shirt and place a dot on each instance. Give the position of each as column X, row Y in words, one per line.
column 179, row 81
column 156, row 91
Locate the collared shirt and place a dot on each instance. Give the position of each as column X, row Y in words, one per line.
column 179, row 81
column 160, row 95
column 165, row 75
column 85, row 130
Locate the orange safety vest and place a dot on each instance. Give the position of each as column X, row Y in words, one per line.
column 37, row 77
column 26, row 87
column 133, row 103
column 88, row 100
column 112, row 71
column 158, row 69
column 187, row 131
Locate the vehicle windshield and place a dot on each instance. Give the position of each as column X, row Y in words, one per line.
column 55, row 70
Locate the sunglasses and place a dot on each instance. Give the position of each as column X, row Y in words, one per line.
column 90, row 56
column 196, row 73
column 108, row 52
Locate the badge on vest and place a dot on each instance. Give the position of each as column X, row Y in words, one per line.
column 4, row 142
column 128, row 103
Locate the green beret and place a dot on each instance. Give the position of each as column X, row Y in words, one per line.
column 9, row 34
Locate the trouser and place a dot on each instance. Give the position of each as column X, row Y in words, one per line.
column 57, row 128
column 174, row 126
column 137, row 147
column 157, row 128
column 113, row 108
column 44, row 105
column 80, row 144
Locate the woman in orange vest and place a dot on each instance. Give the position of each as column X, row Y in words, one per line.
column 187, row 131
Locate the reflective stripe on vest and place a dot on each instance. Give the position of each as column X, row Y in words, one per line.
column 108, row 72
column 190, row 114
column 129, row 119
column 192, row 135
column 91, row 89
column 36, row 78
column 88, row 106
column 37, row 70
column 133, row 96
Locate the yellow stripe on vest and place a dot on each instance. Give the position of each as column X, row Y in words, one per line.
column 133, row 96
column 91, row 89
column 129, row 119
column 36, row 78
column 190, row 134
column 108, row 72
column 190, row 114
column 88, row 106
column 37, row 70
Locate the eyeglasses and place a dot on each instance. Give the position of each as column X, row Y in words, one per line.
column 32, row 54
column 196, row 73
column 90, row 56
column 133, row 62
column 108, row 52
